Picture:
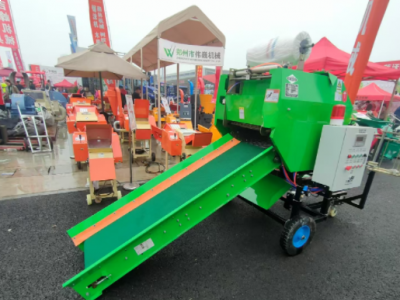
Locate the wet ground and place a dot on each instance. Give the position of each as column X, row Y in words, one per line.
column 23, row 173
column 234, row 254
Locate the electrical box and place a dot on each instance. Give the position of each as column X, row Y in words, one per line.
column 342, row 156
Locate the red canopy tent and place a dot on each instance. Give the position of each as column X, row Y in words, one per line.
column 327, row 57
column 65, row 83
column 5, row 72
column 210, row 78
column 372, row 92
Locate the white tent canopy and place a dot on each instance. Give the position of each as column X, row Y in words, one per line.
column 190, row 26
column 98, row 59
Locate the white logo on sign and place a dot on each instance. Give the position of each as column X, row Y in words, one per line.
column 291, row 78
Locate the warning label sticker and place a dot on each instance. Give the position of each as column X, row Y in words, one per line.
column 338, row 92
column 292, row 90
column 271, row 95
column 80, row 138
column 241, row 113
column 143, row 247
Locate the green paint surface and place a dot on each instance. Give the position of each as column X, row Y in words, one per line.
column 295, row 121
column 138, row 220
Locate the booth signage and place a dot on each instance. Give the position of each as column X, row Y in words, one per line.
column 18, row 60
column 190, row 54
column 131, row 112
column 8, row 37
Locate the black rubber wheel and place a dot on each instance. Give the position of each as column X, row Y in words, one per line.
column 153, row 156
column 183, row 157
column 297, row 234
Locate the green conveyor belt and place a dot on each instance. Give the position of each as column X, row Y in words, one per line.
column 133, row 223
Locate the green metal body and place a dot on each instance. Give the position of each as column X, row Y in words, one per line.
column 293, row 125
column 110, row 254
column 295, row 122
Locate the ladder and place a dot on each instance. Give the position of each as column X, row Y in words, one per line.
column 40, row 116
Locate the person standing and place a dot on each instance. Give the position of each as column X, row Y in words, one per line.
column 31, row 85
column 19, row 85
column 48, row 85
column 136, row 94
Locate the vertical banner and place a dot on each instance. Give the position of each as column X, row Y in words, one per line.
column 99, row 27
column 9, row 59
column 98, row 22
column 363, row 46
column 35, row 77
column 8, row 36
column 18, row 61
column 73, row 36
column 199, row 74
column 131, row 112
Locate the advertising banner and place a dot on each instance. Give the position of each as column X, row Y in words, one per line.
column 18, row 61
column 10, row 63
column 199, row 74
column 190, row 54
column 131, row 112
column 363, row 46
column 98, row 22
column 73, row 36
column 8, row 37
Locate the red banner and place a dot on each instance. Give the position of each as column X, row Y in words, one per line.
column 18, row 61
column 363, row 46
column 8, row 37
column 394, row 64
column 199, row 73
column 98, row 22
column 35, row 77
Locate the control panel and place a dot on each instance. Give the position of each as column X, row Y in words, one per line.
column 342, row 156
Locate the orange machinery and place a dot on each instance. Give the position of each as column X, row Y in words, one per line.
column 179, row 140
column 78, row 118
column 113, row 96
column 101, row 149
column 142, row 133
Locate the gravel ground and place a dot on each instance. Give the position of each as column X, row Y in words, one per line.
column 234, row 254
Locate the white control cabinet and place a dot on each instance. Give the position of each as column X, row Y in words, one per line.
column 342, row 156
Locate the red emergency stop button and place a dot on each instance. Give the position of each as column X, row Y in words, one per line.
column 349, row 156
column 348, row 168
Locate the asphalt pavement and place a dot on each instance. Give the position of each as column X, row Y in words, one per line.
column 234, row 254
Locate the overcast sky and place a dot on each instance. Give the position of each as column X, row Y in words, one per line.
column 42, row 25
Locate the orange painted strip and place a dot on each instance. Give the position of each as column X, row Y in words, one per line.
column 84, row 235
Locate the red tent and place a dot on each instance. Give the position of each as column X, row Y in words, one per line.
column 65, row 83
column 327, row 57
column 210, row 78
column 5, row 72
column 372, row 92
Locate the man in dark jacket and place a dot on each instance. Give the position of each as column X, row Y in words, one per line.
column 136, row 94
column 19, row 85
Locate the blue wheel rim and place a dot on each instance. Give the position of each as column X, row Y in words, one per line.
column 301, row 236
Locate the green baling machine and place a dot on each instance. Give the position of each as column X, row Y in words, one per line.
column 280, row 143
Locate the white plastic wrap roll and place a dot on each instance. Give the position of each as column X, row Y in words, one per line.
column 279, row 50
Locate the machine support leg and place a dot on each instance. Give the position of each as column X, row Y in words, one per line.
column 367, row 187
column 326, row 203
column 166, row 160
column 296, row 203
column 129, row 186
